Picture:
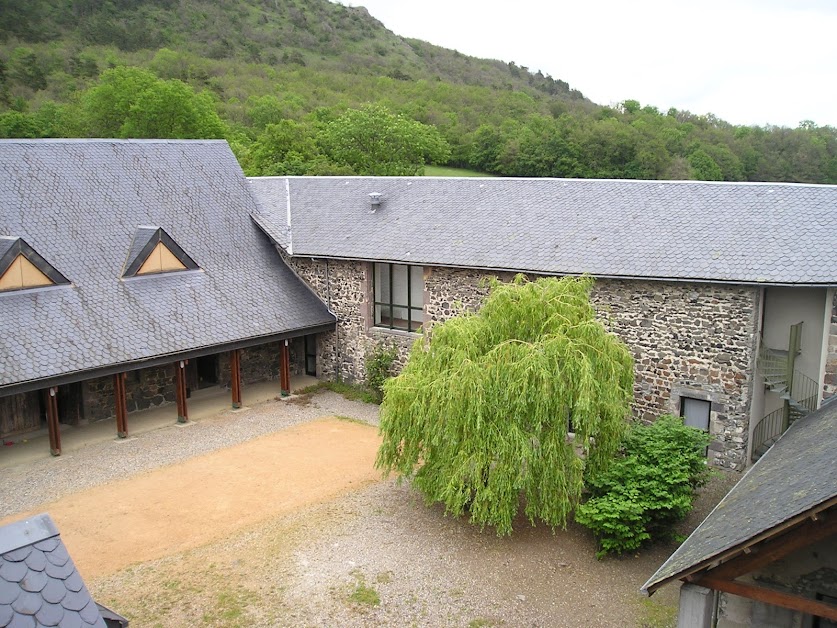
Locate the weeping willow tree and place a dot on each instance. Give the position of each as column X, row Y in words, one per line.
column 481, row 415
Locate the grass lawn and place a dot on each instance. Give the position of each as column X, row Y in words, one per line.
column 444, row 171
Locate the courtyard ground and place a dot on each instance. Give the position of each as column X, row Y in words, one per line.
column 275, row 517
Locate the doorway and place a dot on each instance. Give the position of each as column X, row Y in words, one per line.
column 311, row 355
column 207, row 371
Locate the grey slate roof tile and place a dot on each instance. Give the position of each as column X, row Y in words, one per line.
column 41, row 596
column 80, row 203
column 701, row 231
column 795, row 475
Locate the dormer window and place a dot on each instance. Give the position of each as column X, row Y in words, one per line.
column 153, row 251
column 21, row 267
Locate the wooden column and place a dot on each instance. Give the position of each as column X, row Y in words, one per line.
column 285, row 370
column 235, row 375
column 120, row 400
column 180, row 385
column 52, row 422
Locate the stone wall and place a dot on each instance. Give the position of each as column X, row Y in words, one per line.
column 343, row 285
column 830, row 381
column 144, row 388
column 692, row 340
column 689, row 340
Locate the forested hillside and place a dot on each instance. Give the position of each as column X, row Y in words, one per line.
column 314, row 87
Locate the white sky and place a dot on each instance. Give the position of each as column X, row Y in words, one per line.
column 746, row 61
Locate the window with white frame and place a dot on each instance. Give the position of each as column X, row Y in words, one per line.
column 398, row 296
column 695, row 412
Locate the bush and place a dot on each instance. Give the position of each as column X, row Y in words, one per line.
column 648, row 489
column 379, row 369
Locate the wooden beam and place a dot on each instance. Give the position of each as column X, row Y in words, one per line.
column 235, row 376
column 285, row 370
column 809, row 532
column 53, row 426
column 771, row 596
column 180, row 386
column 120, row 400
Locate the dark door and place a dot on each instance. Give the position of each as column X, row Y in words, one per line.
column 311, row 355
column 207, row 368
column 69, row 403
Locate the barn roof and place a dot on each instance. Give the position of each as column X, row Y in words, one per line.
column 795, row 478
column 82, row 206
column 758, row 233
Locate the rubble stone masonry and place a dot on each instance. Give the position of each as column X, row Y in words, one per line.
column 687, row 339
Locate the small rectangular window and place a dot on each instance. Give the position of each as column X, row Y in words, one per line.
column 398, row 296
column 695, row 412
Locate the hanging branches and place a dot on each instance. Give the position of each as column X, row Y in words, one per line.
column 480, row 414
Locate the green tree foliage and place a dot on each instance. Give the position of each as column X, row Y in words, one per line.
column 374, row 141
column 704, row 167
column 284, row 148
column 129, row 102
column 480, row 413
column 266, row 62
column 648, row 488
column 25, row 69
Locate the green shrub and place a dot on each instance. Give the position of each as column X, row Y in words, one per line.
column 649, row 488
column 379, row 369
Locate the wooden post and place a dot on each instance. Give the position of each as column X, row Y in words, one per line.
column 120, row 400
column 52, row 422
column 180, row 380
column 235, row 374
column 285, row 370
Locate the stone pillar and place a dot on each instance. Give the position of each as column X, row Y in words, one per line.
column 695, row 607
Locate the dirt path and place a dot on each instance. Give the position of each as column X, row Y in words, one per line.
column 211, row 497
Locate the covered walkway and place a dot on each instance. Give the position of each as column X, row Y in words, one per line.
column 203, row 404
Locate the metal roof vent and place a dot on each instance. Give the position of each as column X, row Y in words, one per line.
column 375, row 200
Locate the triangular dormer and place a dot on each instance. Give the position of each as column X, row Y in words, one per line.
column 21, row 267
column 153, row 252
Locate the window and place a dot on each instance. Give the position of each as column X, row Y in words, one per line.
column 398, row 296
column 695, row 412
column 154, row 252
column 22, row 268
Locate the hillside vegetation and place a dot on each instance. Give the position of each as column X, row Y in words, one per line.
column 314, row 87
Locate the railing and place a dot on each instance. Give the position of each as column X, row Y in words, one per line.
column 773, row 364
column 804, row 392
column 768, row 430
column 799, row 392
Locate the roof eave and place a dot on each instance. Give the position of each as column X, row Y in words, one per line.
column 533, row 271
column 133, row 365
column 651, row 586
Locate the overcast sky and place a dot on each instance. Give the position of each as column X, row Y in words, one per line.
column 746, row 61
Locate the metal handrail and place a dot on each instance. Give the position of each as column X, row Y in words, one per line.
column 769, row 428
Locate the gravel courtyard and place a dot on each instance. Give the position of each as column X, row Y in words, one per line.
column 333, row 544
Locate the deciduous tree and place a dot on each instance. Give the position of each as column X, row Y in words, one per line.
column 481, row 413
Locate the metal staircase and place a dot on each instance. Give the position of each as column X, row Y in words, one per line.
column 798, row 392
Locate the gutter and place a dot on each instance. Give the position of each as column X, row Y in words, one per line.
column 552, row 273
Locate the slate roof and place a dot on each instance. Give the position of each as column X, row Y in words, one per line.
column 699, row 231
column 795, row 476
column 79, row 203
column 39, row 584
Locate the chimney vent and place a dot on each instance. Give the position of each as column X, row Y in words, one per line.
column 375, row 200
